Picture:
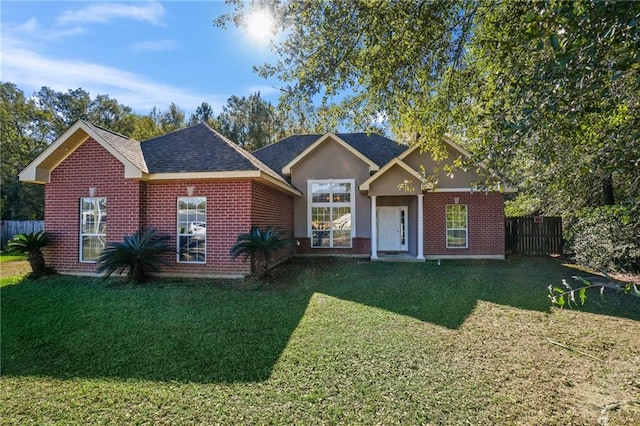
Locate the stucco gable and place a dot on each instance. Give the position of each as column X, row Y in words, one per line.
column 411, row 161
column 395, row 167
column 126, row 150
column 328, row 138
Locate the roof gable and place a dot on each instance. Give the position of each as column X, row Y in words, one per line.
column 286, row 170
column 375, row 148
column 126, row 150
column 395, row 162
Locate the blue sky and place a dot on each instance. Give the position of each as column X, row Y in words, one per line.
column 144, row 54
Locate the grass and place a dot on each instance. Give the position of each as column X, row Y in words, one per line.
column 11, row 257
column 326, row 342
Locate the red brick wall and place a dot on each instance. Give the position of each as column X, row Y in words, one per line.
column 228, row 214
column 271, row 207
column 485, row 215
column 88, row 166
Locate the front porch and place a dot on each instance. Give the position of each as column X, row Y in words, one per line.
column 396, row 257
column 397, row 228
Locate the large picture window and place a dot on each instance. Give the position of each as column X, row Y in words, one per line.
column 331, row 208
column 93, row 228
column 192, row 229
column 457, row 226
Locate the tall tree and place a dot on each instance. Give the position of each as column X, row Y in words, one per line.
column 110, row 114
column 203, row 114
column 172, row 119
column 24, row 133
column 546, row 92
column 63, row 108
column 250, row 122
column 555, row 98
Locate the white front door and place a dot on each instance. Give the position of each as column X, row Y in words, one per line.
column 392, row 228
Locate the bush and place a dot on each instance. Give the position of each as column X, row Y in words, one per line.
column 606, row 238
column 136, row 254
column 259, row 246
column 32, row 245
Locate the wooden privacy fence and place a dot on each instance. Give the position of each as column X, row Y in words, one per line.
column 534, row 235
column 14, row 227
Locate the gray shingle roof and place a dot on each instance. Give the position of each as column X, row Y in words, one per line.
column 129, row 148
column 376, row 148
column 194, row 149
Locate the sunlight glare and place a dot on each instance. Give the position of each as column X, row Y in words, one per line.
column 260, row 25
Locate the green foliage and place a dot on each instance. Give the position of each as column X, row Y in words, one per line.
column 570, row 296
column 23, row 135
column 545, row 93
column 136, row 254
column 260, row 245
column 250, row 122
column 606, row 238
column 32, row 245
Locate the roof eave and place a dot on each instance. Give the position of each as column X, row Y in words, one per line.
column 58, row 151
column 259, row 175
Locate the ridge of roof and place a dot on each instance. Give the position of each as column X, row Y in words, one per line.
column 249, row 156
column 128, row 147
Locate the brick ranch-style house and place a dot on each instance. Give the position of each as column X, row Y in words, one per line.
column 351, row 194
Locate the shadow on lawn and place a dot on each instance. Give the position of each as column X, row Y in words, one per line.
column 196, row 332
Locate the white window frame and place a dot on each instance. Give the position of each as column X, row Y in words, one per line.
column 457, row 228
column 197, row 227
column 102, row 218
column 331, row 204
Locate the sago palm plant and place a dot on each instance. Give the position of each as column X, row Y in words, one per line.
column 136, row 254
column 31, row 244
column 259, row 246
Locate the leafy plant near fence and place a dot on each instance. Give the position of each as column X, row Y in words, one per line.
column 606, row 238
column 137, row 254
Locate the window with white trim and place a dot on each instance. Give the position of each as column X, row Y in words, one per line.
column 457, row 226
column 93, row 228
column 331, row 209
column 192, row 229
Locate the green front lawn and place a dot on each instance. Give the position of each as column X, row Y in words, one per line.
column 326, row 342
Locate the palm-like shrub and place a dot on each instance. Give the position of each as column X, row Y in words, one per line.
column 31, row 244
column 137, row 254
column 259, row 246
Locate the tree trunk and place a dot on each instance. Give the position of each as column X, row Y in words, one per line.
column 608, row 198
column 259, row 265
column 36, row 261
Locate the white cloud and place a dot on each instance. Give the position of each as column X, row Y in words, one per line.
column 154, row 45
column 30, row 71
column 33, row 30
column 105, row 12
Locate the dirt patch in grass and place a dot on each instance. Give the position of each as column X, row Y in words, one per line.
column 10, row 269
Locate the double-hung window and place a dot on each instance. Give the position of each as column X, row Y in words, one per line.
column 192, row 229
column 331, row 209
column 93, row 228
column 457, row 226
